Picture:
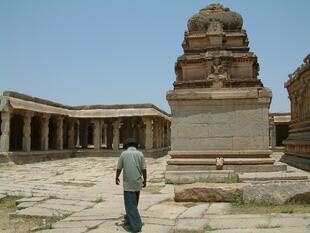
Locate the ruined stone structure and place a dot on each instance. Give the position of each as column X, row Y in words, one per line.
column 34, row 129
column 297, row 145
column 219, row 106
column 278, row 130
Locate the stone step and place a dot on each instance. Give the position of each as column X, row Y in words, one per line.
column 266, row 176
column 237, row 168
column 227, row 161
column 211, row 176
column 221, row 153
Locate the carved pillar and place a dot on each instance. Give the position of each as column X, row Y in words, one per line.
column 141, row 135
column 116, row 124
column 5, row 129
column 105, row 126
column 71, row 134
column 166, row 133
column 59, row 133
column 27, row 132
column 155, row 133
column 162, row 133
column 78, row 134
column 273, row 128
column 160, row 129
column 97, row 134
column 169, row 134
column 148, row 133
column 44, row 131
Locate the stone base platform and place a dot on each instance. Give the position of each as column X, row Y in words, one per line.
column 220, row 153
column 269, row 176
column 296, row 160
column 154, row 153
column 20, row 157
column 188, row 177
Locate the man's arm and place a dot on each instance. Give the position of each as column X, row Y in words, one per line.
column 118, row 172
column 144, row 173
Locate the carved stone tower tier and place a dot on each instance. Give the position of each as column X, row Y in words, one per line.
column 219, row 106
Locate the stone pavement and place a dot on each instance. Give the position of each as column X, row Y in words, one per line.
column 82, row 192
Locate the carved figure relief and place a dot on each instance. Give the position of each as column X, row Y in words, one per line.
column 215, row 27
column 218, row 74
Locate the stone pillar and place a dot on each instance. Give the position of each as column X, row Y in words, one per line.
column 5, row 129
column 273, row 136
column 162, row 126
column 155, row 129
column 27, row 132
column 71, row 142
column 169, row 133
column 159, row 134
column 148, row 133
column 141, row 135
column 166, row 134
column 78, row 134
column 105, row 126
column 59, row 133
column 97, row 134
column 116, row 124
column 44, row 131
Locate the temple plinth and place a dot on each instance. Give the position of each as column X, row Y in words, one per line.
column 219, row 105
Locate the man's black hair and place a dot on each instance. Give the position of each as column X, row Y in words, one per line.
column 129, row 142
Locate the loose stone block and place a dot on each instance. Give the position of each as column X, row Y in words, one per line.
column 200, row 192
column 277, row 192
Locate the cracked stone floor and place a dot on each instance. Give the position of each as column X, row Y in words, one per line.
column 83, row 193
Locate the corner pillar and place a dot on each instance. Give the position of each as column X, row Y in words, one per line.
column 5, row 129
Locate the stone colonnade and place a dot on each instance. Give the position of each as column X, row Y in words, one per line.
column 278, row 129
column 32, row 131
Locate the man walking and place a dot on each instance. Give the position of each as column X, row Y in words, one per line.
column 133, row 164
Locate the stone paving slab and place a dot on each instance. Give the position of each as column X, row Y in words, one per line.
column 24, row 205
column 38, row 212
column 65, row 230
column 191, row 224
column 257, row 221
column 196, row 211
column 31, row 199
column 219, row 208
column 158, row 221
column 163, row 211
column 61, row 207
column 268, row 230
column 79, row 224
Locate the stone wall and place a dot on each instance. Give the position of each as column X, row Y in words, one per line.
column 297, row 145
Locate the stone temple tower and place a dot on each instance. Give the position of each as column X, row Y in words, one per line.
column 219, row 106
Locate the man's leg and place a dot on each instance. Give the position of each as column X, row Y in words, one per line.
column 138, row 197
column 132, row 212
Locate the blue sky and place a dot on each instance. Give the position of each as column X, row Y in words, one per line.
column 80, row 52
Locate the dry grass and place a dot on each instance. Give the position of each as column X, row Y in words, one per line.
column 19, row 225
